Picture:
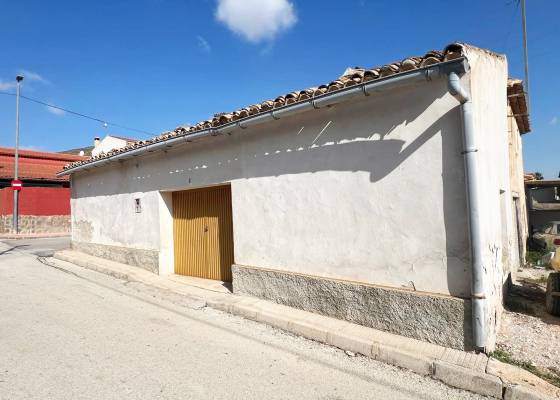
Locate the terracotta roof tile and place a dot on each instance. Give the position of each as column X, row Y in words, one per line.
column 35, row 165
column 352, row 76
column 10, row 151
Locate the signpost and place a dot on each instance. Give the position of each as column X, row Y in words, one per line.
column 15, row 228
column 16, row 184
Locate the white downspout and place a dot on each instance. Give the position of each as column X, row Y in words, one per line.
column 478, row 292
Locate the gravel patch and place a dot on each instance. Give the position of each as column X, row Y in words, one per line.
column 528, row 333
column 528, row 338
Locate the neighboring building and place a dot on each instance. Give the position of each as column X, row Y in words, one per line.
column 518, row 124
column 44, row 202
column 543, row 202
column 110, row 143
column 352, row 199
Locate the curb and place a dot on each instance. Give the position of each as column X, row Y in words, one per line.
column 462, row 378
column 467, row 371
column 518, row 392
column 93, row 266
column 33, row 235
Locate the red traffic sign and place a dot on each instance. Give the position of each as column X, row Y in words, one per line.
column 17, row 184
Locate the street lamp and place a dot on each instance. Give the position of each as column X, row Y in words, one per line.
column 19, row 78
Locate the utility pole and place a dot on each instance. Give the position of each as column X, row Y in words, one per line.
column 19, row 78
column 524, row 23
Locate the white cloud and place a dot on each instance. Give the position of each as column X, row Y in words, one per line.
column 203, row 44
column 55, row 111
column 256, row 20
column 29, row 77
column 554, row 120
column 33, row 76
column 7, row 85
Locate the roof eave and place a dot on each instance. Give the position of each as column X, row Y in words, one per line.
column 427, row 73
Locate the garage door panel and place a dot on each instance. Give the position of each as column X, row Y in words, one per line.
column 203, row 233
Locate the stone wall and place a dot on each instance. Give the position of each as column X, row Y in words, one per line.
column 36, row 224
column 443, row 320
column 146, row 259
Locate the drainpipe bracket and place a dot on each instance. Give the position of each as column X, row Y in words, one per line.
column 364, row 90
column 469, row 151
column 432, row 73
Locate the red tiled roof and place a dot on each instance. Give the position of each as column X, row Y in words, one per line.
column 35, row 165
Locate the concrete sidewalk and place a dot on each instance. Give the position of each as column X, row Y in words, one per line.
column 476, row 373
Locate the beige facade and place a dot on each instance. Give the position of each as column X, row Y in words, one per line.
column 517, row 184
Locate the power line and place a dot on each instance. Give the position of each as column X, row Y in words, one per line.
column 103, row 121
column 510, row 23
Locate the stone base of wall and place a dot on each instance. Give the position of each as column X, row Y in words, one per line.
column 36, row 224
column 438, row 319
column 146, row 259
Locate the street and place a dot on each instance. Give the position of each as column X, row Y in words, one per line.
column 70, row 333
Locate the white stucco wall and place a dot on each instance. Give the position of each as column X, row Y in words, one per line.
column 489, row 93
column 107, row 144
column 370, row 190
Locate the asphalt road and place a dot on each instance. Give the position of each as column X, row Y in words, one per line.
column 41, row 247
column 71, row 333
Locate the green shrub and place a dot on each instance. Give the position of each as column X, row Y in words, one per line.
column 533, row 257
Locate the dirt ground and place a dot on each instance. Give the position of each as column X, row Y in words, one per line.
column 528, row 333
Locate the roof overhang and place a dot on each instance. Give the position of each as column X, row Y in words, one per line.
column 517, row 99
column 422, row 74
column 543, row 183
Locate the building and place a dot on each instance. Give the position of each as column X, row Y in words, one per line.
column 518, row 125
column 110, row 143
column 44, row 201
column 543, row 202
column 387, row 197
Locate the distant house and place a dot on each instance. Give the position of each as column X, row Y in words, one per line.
column 44, row 201
column 543, row 201
column 109, row 143
column 391, row 197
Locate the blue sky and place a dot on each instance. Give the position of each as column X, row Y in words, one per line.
column 157, row 64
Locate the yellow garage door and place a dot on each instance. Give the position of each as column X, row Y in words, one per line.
column 203, row 233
